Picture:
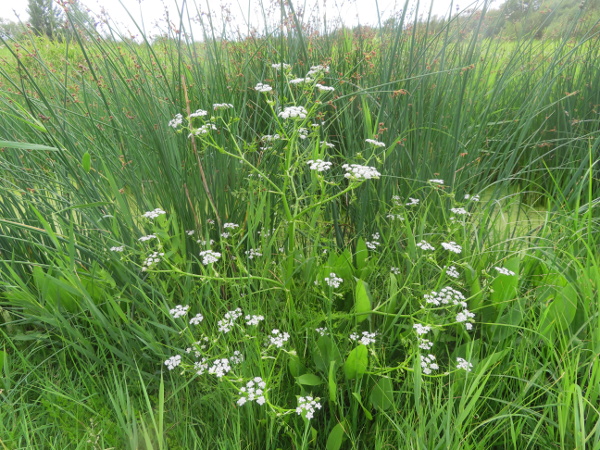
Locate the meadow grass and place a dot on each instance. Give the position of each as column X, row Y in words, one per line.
column 366, row 238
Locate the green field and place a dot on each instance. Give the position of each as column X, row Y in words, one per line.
column 396, row 229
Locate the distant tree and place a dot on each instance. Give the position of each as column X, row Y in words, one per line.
column 11, row 30
column 44, row 17
column 76, row 18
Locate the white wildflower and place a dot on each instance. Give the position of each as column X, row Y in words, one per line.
column 428, row 364
column 176, row 121
column 293, row 112
column 253, row 320
column 217, row 106
column 307, row 406
column 278, row 338
column 220, row 367
column 504, row 271
column 452, row 272
column 412, row 201
column 209, row 257
column 173, row 362
column 278, row 66
column 333, row 280
column 198, row 113
column 325, row 88
column 323, row 331
column 226, row 324
column 421, row 329
column 154, row 214
column 147, row 238
column 452, row 247
column 375, row 143
column 179, row 311
column 424, row 245
column 358, row 172
column 395, row 270
column 446, row 296
column 319, row 165
column 460, row 211
column 117, row 249
column 463, row 364
column 230, row 225
column 436, row 181
column 253, row 253
column 260, row 87
column 365, row 338
column 196, row 319
column 253, row 391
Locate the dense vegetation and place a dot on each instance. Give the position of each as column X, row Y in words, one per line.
column 364, row 238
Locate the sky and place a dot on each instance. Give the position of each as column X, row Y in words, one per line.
column 152, row 12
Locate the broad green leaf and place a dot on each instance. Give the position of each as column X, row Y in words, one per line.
column 382, row 396
column 309, row 379
column 294, row 365
column 504, row 287
column 362, row 253
column 86, row 162
column 331, row 382
column 357, row 362
column 368, row 414
column 325, row 352
column 336, row 437
column 560, row 312
column 362, row 301
column 26, row 146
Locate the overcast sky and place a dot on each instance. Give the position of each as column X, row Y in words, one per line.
column 352, row 12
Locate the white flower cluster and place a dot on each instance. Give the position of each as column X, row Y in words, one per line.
column 190, row 232
column 325, row 88
column 300, row 80
column 209, row 257
column 460, row 211
column 173, row 362
column 428, row 364
column 176, row 121
column 302, row 133
column 198, row 113
column 147, row 238
column 436, row 181
column 117, row 249
column 424, row 245
column 278, row 66
column 204, row 129
column 307, row 406
column 237, row 358
column 278, row 338
column 317, row 70
column 228, row 321
column 201, row 366
column 270, row 137
column 395, row 270
column 260, row 87
column 474, row 198
column 319, row 165
column 447, row 296
column 220, row 367
column 375, row 143
column 323, row 331
column 412, row 201
column 358, row 172
column 452, row 247
column 253, row 391
column 253, row 253
column 463, row 364
column 152, row 259
column 154, row 214
column 464, row 316
column 372, row 245
column 196, row 319
column 452, row 272
column 421, row 329
column 217, row 106
column 253, row 320
column 293, row 112
column 333, row 280
column 365, row 339
column 230, row 225
column 504, row 271
column 179, row 311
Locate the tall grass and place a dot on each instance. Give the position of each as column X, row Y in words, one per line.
column 87, row 149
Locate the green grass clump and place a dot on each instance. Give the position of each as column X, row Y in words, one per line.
column 366, row 238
